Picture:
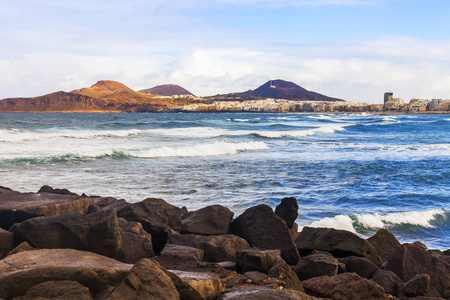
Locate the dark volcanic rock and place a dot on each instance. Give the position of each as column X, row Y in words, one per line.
column 156, row 216
column 16, row 207
column 210, row 220
column 344, row 286
column 67, row 290
column 263, row 229
column 21, row 271
column 109, row 203
column 315, row 265
column 419, row 285
column 24, row 246
column 283, row 272
column 388, row 280
column 256, row 260
column 6, row 242
column 49, row 189
column 207, row 284
column 360, row 265
column 181, row 253
column 136, row 242
column 288, row 210
column 147, row 280
column 410, row 260
column 96, row 232
column 385, row 243
column 217, row 248
column 264, row 293
column 339, row 243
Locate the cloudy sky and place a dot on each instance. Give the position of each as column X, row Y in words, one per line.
column 350, row 49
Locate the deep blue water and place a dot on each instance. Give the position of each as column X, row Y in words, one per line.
column 358, row 172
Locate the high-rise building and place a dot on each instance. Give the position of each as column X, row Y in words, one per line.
column 388, row 96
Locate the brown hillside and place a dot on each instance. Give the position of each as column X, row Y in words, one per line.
column 104, row 89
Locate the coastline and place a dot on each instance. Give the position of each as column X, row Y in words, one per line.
column 55, row 241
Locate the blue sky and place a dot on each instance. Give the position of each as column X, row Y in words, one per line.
column 351, row 49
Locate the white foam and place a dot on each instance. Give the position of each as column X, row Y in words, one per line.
column 342, row 222
column 211, row 149
column 416, row 218
column 15, row 135
column 299, row 133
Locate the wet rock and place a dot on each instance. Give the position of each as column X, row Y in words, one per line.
column 96, row 232
column 385, row 243
column 339, row 243
column 388, row 280
column 217, row 248
column 359, row 265
column 410, row 260
column 136, row 242
column 50, row 190
column 264, row 293
column 146, row 280
column 17, row 207
column 207, row 284
column 21, row 271
column 156, row 216
column 419, row 285
column 263, row 229
column 210, row 220
column 6, row 242
column 344, row 286
column 24, row 246
column 67, row 290
column 288, row 211
column 315, row 265
column 283, row 272
column 256, row 260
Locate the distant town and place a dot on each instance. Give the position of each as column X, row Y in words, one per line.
column 390, row 104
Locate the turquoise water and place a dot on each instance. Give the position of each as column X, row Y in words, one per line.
column 358, row 172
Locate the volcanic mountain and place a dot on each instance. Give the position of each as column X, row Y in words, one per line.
column 104, row 96
column 280, row 89
column 167, row 90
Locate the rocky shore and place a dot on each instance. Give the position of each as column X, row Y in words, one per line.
column 55, row 244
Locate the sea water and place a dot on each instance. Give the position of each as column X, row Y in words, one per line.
column 358, row 172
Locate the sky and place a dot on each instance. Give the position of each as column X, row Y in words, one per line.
column 350, row 49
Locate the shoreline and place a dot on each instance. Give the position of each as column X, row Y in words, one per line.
column 55, row 241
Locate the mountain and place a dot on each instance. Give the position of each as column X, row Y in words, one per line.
column 167, row 90
column 104, row 96
column 280, row 89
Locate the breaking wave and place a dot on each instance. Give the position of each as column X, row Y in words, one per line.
column 422, row 218
column 15, row 135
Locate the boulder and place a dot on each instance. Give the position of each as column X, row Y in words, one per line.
column 156, row 216
column 385, row 243
column 19, row 272
column 180, row 253
column 6, row 242
column 409, row 260
column 210, row 220
column 288, row 210
column 24, row 246
column 17, row 207
column 419, row 285
column 315, row 265
column 359, row 265
column 388, row 280
column 136, row 242
column 96, row 232
column 50, row 190
column 339, row 243
column 217, row 248
column 256, row 277
column 207, row 284
column 283, row 272
column 263, row 229
column 264, row 293
column 67, row 290
column 109, row 203
column 344, row 286
column 235, row 280
column 146, row 280
column 185, row 291
column 256, row 260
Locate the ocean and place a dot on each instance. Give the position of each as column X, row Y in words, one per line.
column 358, row 172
